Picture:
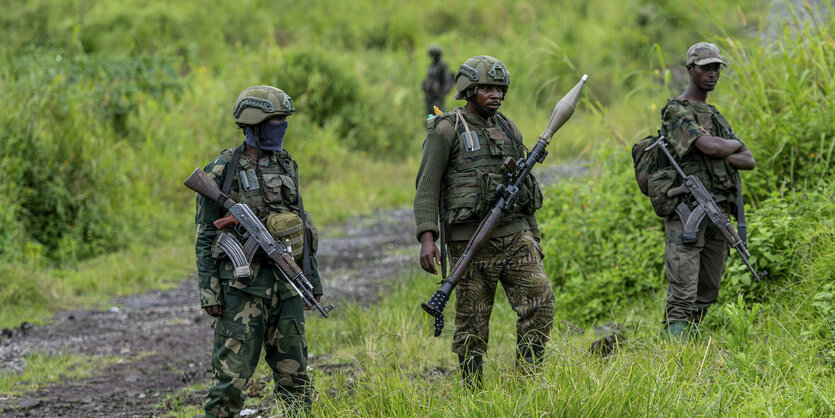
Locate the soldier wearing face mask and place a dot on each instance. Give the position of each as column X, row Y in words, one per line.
column 261, row 310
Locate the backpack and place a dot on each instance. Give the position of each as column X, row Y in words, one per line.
column 646, row 163
column 655, row 175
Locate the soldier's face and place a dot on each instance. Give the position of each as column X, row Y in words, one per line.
column 489, row 97
column 705, row 76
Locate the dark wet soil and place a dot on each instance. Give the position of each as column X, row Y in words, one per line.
column 162, row 339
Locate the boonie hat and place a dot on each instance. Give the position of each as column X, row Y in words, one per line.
column 704, row 53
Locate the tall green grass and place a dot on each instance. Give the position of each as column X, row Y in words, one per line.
column 107, row 106
column 776, row 95
column 382, row 360
column 783, row 93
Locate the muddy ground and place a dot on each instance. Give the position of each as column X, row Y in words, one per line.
column 162, row 339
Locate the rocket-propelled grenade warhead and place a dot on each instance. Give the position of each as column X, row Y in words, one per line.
column 563, row 110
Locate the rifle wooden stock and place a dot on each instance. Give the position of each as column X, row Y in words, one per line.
column 482, row 235
column 201, row 183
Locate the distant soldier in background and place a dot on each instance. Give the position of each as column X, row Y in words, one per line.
column 705, row 146
column 438, row 81
column 463, row 163
column 262, row 309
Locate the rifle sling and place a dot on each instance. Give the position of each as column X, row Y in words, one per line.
column 227, row 178
column 741, row 227
column 442, row 231
column 506, row 129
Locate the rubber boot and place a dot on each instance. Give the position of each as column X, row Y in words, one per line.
column 470, row 371
column 677, row 331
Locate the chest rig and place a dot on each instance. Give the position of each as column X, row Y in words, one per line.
column 268, row 186
column 716, row 174
column 477, row 168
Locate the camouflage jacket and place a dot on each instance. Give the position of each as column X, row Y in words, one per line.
column 467, row 180
column 277, row 193
column 684, row 122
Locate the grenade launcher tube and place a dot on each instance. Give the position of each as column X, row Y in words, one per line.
column 507, row 199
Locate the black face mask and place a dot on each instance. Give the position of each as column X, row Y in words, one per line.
column 271, row 138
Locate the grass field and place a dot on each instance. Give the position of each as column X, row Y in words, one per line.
column 106, row 107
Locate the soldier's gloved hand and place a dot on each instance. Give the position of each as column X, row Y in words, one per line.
column 214, row 310
column 317, row 297
column 430, row 256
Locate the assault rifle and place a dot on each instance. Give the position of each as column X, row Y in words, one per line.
column 508, row 195
column 258, row 236
column 696, row 196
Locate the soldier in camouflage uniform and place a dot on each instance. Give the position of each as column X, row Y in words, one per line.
column 462, row 163
column 262, row 309
column 438, row 81
column 704, row 145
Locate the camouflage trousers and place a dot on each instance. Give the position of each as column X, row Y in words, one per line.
column 694, row 272
column 516, row 262
column 248, row 323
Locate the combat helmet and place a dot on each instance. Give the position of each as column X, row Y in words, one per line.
column 257, row 103
column 478, row 70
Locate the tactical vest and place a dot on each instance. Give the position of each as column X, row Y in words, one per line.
column 275, row 191
column 716, row 174
column 471, row 180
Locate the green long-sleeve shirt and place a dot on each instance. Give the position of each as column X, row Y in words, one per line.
column 440, row 151
column 266, row 279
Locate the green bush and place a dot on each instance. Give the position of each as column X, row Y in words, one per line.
column 603, row 243
column 66, row 191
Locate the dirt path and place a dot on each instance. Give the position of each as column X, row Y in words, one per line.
column 162, row 339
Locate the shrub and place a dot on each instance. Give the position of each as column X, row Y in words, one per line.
column 603, row 243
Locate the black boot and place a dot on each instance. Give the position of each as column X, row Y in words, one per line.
column 697, row 316
column 529, row 355
column 470, row 371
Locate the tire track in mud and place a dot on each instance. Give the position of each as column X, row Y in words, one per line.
column 161, row 339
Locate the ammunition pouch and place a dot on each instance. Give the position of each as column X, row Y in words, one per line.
column 472, row 195
column 488, row 184
column 287, row 229
column 530, row 197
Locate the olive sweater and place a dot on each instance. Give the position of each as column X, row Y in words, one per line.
column 440, row 149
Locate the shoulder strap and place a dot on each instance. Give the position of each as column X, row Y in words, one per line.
column 230, row 174
column 500, row 120
column 741, row 228
column 306, row 251
column 460, row 118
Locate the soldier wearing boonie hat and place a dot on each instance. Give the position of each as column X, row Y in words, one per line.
column 704, row 144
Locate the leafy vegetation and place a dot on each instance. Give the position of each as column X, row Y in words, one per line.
column 105, row 107
column 790, row 120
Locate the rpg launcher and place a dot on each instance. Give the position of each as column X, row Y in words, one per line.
column 282, row 256
column 508, row 194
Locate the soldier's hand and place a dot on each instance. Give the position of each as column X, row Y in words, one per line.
column 318, row 299
column 430, row 256
column 214, row 310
